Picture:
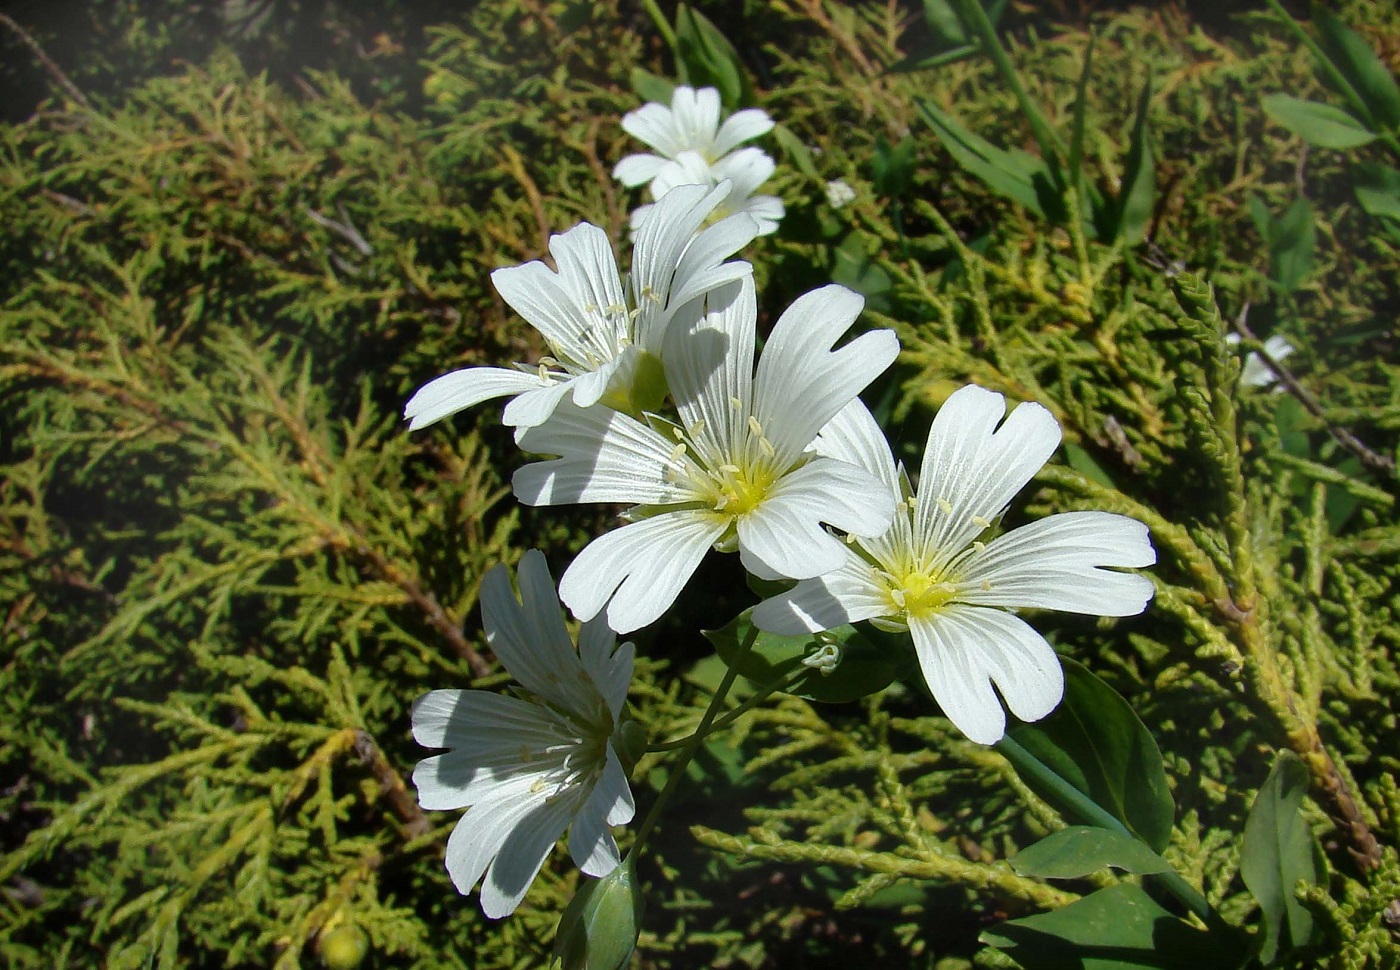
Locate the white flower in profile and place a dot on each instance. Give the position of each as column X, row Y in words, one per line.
column 604, row 335
column 533, row 764
column 956, row 595
column 690, row 124
column 744, row 170
column 1255, row 372
column 735, row 472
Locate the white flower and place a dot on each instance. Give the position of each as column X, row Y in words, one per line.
column 839, row 193
column 735, row 472
column 744, row 170
column 690, row 124
column 1255, row 372
column 530, row 765
column 954, row 594
column 601, row 332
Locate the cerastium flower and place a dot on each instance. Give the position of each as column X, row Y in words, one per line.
column 533, row 764
column 734, row 472
column 693, row 148
column 930, row 574
column 604, row 334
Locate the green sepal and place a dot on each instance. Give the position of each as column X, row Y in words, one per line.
column 1280, row 852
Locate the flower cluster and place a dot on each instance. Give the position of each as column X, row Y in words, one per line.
column 653, row 396
column 691, row 147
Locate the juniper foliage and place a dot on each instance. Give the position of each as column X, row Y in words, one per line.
column 228, row 569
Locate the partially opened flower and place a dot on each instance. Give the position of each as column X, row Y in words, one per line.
column 604, row 335
column 736, row 471
column 536, row 763
column 1255, row 372
column 744, row 170
column 930, row 574
column 690, row 124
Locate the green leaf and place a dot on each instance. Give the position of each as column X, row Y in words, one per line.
column 1113, row 929
column 1292, row 240
column 892, row 168
column 1082, row 849
column 1279, row 852
column 1084, row 463
column 1138, row 192
column 854, row 268
column 650, row 87
column 1081, row 101
column 865, row 667
column 797, row 152
column 1317, row 124
column 1094, row 743
column 1363, row 70
column 1378, row 191
column 1016, row 175
column 705, row 57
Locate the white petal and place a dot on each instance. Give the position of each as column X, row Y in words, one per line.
column 848, row 594
column 474, row 775
column 610, row 803
column 801, row 382
column 609, row 669
column 747, row 168
column 534, row 407
column 709, row 366
column 701, row 268
column 740, row 127
column 521, row 856
column 656, row 254
column 652, row 124
column 784, row 532
column 766, row 211
column 695, row 116
column 687, row 168
column 453, row 718
column 538, row 294
column 479, row 835
column 853, row 436
column 530, row 638
column 462, row 389
column 963, row 650
column 1056, row 564
column 971, row 468
column 604, row 456
column 642, row 567
column 635, row 170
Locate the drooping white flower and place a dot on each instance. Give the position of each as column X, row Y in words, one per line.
column 744, row 170
column 956, row 595
column 533, row 764
column 736, row 471
column 604, row 334
column 839, row 193
column 690, row 124
column 1255, row 372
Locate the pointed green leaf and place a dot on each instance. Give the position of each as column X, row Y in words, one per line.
column 1094, row 743
column 1378, row 191
column 1363, row 70
column 892, row 168
column 1081, row 101
column 1082, row 849
column 796, row 151
column 650, row 87
column 1113, row 929
column 1138, row 191
column 1016, row 175
column 1292, row 240
column 707, row 58
column 1317, row 124
column 1279, row 852
column 864, row 668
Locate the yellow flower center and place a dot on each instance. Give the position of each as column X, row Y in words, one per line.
column 917, row 592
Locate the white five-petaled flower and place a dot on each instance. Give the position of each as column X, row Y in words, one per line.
column 530, row 765
column 744, row 170
column 736, row 470
column 690, row 124
column 955, row 595
column 1255, row 372
column 603, row 335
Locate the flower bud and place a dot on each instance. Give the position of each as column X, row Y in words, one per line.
column 599, row 929
column 344, row 947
